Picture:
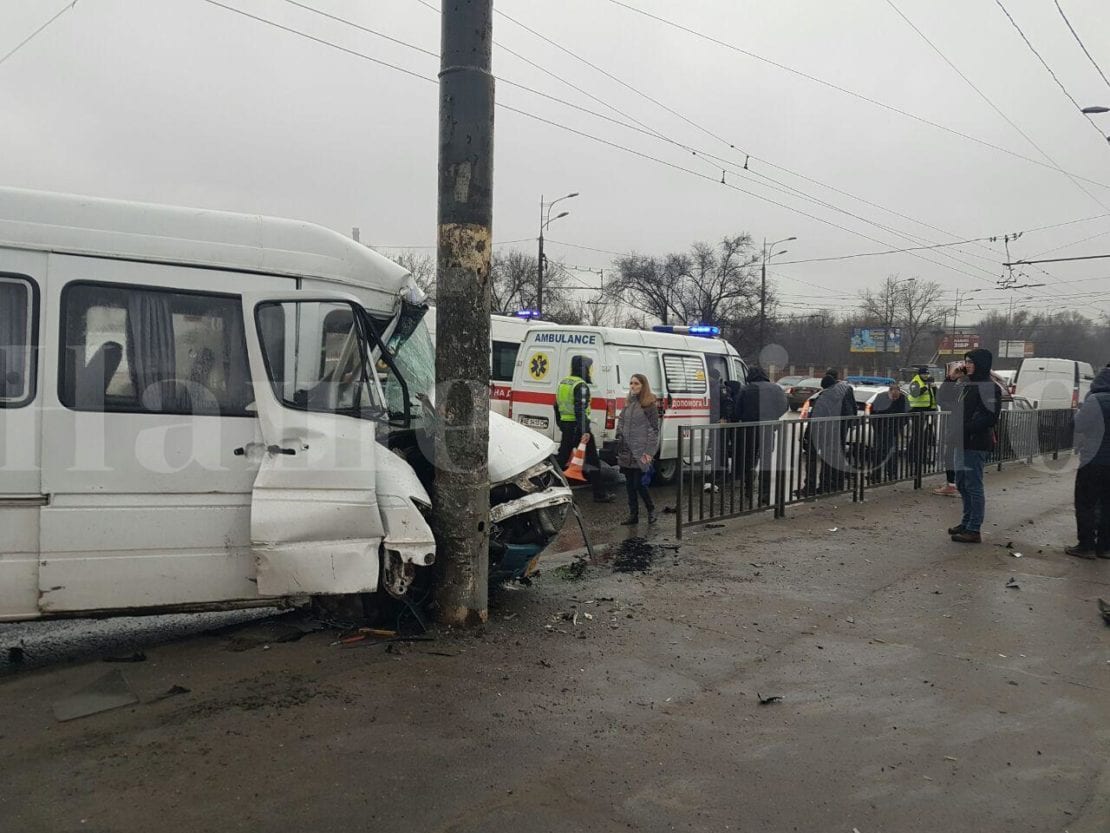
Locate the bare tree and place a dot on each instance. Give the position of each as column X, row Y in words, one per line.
column 819, row 339
column 603, row 310
column 721, row 284
column 514, row 276
column 716, row 284
column 911, row 304
column 651, row 284
column 422, row 266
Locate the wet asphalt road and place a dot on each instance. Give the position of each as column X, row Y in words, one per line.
column 924, row 685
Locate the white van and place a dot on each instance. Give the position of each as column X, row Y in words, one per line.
column 677, row 364
column 1053, row 383
column 201, row 409
column 506, row 335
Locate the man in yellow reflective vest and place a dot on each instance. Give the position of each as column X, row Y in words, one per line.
column 923, row 399
column 923, row 393
column 572, row 415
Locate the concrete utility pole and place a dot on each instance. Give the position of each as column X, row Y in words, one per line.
column 466, row 99
column 763, row 287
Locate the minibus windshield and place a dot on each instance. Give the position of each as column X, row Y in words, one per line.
column 410, row 345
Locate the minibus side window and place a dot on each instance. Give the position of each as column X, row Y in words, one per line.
column 315, row 356
column 145, row 350
column 17, row 331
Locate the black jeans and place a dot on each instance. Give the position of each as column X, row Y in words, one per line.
column 636, row 491
column 1092, row 507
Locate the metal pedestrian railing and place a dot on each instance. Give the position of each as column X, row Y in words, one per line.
column 733, row 469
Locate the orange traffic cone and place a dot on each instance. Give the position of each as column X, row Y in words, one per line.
column 573, row 470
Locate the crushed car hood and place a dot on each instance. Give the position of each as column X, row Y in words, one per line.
column 514, row 448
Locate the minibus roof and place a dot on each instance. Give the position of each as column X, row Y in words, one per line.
column 98, row 227
column 639, row 338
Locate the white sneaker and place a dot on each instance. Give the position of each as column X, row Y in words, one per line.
column 947, row 490
column 709, row 487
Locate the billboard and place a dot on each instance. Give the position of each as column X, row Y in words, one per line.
column 959, row 343
column 1016, row 350
column 876, row 340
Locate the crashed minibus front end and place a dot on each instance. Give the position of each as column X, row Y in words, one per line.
column 373, row 388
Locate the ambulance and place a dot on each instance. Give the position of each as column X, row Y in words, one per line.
column 679, row 362
column 505, row 337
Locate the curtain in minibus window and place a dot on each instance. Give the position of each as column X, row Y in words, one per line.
column 14, row 340
column 152, row 350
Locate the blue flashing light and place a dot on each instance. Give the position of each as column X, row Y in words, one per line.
column 531, row 314
column 701, row 330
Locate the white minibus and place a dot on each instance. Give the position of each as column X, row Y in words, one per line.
column 201, row 409
column 679, row 362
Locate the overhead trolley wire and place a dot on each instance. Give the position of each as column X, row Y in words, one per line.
column 735, row 164
column 322, row 41
column 994, row 106
column 1079, row 40
column 37, row 31
column 647, row 130
column 586, row 135
column 583, row 134
column 791, row 190
column 1050, row 71
column 852, row 93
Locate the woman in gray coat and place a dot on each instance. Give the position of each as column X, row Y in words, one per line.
column 637, row 443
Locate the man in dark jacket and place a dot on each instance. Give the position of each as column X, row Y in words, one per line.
column 761, row 400
column 977, row 410
column 1092, row 481
column 886, row 431
column 826, row 439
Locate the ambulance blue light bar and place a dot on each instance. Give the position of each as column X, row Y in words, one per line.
column 703, row 330
column 532, row 314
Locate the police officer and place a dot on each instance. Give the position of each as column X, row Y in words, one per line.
column 923, row 399
column 572, row 414
column 923, row 393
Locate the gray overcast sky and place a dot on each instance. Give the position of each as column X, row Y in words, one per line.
column 180, row 101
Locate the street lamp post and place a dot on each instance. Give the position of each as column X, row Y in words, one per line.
column 890, row 315
column 763, row 288
column 545, row 220
column 956, row 315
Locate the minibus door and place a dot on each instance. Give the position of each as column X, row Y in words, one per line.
column 21, row 496
column 315, row 522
